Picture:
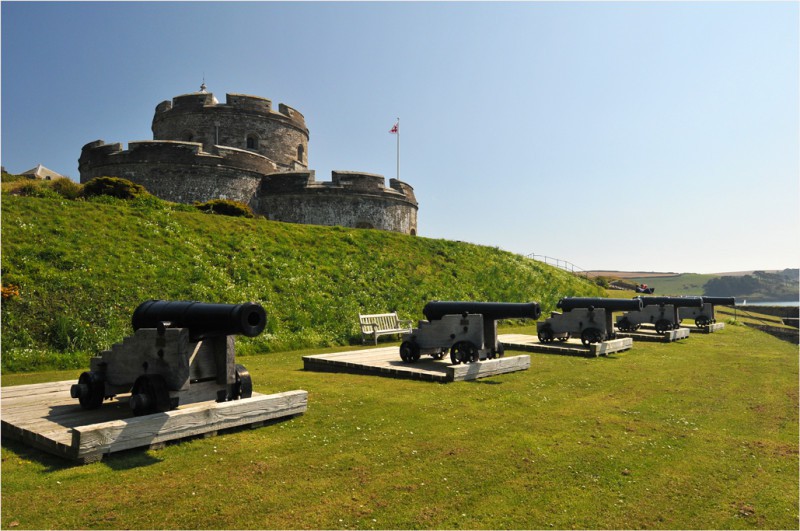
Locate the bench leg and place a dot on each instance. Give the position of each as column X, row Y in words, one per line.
column 376, row 340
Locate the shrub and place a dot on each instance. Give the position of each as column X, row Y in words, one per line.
column 66, row 188
column 602, row 282
column 32, row 188
column 114, row 187
column 10, row 178
column 226, row 207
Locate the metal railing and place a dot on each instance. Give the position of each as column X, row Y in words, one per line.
column 561, row 264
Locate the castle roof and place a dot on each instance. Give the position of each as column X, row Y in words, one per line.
column 40, row 172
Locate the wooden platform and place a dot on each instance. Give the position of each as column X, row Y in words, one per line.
column 650, row 334
column 573, row 347
column 44, row 416
column 385, row 361
column 710, row 329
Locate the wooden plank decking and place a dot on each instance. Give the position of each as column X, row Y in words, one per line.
column 385, row 361
column 654, row 337
column 46, row 417
column 709, row 329
column 573, row 347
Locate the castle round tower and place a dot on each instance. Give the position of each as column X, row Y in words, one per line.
column 246, row 151
column 242, row 122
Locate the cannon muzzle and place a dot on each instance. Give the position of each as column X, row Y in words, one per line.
column 493, row 310
column 613, row 305
column 678, row 302
column 720, row 301
column 202, row 319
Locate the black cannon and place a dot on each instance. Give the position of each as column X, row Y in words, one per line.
column 180, row 352
column 467, row 329
column 704, row 315
column 614, row 305
column 589, row 317
column 492, row 310
column 662, row 312
column 202, row 319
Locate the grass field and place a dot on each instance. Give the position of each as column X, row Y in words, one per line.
column 698, row 434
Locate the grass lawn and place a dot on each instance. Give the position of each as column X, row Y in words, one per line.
column 697, row 434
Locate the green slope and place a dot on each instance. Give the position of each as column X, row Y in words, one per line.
column 683, row 284
column 82, row 267
column 781, row 286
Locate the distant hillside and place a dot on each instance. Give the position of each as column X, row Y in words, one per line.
column 752, row 285
column 629, row 274
column 73, row 272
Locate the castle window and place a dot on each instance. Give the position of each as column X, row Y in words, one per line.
column 252, row 142
column 300, row 152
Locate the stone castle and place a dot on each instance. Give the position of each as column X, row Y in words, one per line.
column 247, row 151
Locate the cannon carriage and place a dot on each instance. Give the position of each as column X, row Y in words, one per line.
column 661, row 312
column 704, row 315
column 468, row 330
column 586, row 317
column 181, row 352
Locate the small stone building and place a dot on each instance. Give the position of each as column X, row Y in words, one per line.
column 43, row 174
column 248, row 151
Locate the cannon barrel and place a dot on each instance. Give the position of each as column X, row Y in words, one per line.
column 678, row 302
column 723, row 301
column 493, row 310
column 614, row 305
column 201, row 318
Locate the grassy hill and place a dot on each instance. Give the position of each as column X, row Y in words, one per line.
column 751, row 285
column 74, row 271
column 682, row 284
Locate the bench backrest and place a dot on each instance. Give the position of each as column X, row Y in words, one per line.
column 384, row 321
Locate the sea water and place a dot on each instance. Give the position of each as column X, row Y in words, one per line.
column 768, row 303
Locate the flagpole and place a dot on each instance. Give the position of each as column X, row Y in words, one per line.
column 398, row 148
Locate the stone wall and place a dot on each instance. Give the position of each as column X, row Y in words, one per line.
column 179, row 171
column 244, row 122
column 350, row 199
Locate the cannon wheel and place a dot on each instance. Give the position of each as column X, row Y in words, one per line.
column 440, row 354
column 625, row 325
column 702, row 321
column 590, row 335
column 501, row 350
column 563, row 338
column 546, row 334
column 463, row 352
column 662, row 325
column 150, row 395
column 243, row 388
column 409, row 351
column 96, row 390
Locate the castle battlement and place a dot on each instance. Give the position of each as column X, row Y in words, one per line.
column 355, row 184
column 98, row 154
column 246, row 151
column 245, row 103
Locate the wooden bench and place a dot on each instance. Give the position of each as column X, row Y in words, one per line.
column 382, row 324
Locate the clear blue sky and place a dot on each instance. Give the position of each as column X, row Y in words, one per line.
column 656, row 136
